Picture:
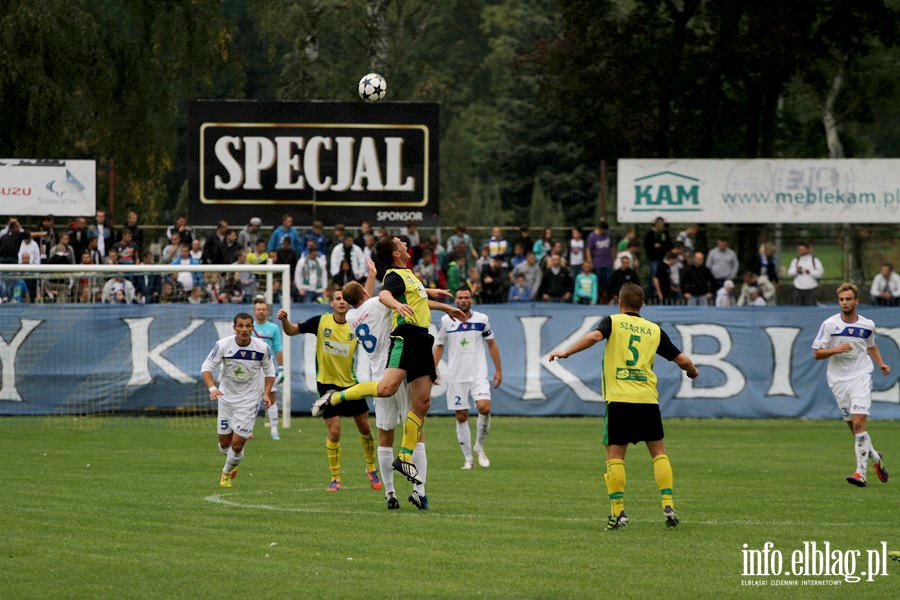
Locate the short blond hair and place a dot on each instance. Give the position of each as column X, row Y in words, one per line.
column 848, row 287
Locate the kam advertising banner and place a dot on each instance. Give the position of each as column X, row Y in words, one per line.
column 341, row 162
column 63, row 188
column 759, row 191
column 754, row 362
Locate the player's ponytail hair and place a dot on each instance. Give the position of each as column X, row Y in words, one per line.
column 848, row 287
column 631, row 296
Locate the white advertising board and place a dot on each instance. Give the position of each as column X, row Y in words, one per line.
column 65, row 188
column 759, row 191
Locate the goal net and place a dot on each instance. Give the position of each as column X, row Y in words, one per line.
column 91, row 340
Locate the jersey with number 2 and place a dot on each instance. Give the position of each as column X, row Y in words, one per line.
column 371, row 324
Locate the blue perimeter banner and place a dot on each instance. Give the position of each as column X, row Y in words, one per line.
column 754, row 362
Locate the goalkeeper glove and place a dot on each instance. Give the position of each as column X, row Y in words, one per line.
column 279, row 376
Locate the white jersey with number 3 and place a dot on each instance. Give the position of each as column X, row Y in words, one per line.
column 860, row 334
column 371, row 324
column 465, row 347
column 244, row 369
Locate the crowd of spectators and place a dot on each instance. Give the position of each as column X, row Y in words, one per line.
column 580, row 267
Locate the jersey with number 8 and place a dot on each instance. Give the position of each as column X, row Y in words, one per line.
column 371, row 324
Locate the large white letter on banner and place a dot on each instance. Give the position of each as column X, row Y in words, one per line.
column 734, row 379
column 142, row 355
column 8, row 359
column 892, row 394
column 534, row 361
column 782, row 339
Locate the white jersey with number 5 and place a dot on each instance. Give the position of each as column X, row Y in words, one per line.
column 465, row 347
column 860, row 334
column 244, row 369
column 371, row 324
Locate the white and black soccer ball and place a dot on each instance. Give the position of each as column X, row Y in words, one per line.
column 372, row 87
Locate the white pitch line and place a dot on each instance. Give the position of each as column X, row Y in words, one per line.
column 222, row 499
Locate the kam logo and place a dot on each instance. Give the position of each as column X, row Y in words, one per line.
column 666, row 191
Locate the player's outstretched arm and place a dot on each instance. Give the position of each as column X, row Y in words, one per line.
column 685, row 363
column 875, row 353
column 286, row 325
column 452, row 311
column 586, row 341
column 392, row 303
column 438, row 293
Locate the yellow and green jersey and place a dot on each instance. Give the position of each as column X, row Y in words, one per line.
column 335, row 349
column 632, row 344
column 407, row 289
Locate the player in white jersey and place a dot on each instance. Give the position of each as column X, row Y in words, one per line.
column 466, row 374
column 847, row 339
column 270, row 333
column 370, row 321
column 248, row 373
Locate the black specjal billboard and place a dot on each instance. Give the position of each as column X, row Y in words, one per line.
column 341, row 162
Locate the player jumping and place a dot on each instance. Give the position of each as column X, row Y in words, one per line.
column 848, row 340
column 467, row 373
column 247, row 372
column 409, row 356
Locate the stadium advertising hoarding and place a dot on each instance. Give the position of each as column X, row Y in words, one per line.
column 342, row 162
column 754, row 362
column 759, row 191
column 31, row 187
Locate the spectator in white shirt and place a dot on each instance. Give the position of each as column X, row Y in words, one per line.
column 806, row 270
column 311, row 275
column 724, row 296
column 30, row 247
column 350, row 252
column 885, row 287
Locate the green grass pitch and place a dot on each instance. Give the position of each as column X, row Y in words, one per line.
column 130, row 507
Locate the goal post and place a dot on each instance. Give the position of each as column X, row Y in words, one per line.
column 70, row 284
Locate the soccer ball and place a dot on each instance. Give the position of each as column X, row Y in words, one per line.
column 372, row 87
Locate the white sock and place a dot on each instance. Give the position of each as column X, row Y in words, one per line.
column 464, row 435
column 482, row 428
column 233, row 460
column 876, row 458
column 862, row 452
column 221, row 449
column 273, row 417
column 385, row 465
column 421, row 461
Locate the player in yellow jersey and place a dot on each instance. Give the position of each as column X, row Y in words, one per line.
column 409, row 356
column 632, row 399
column 335, row 350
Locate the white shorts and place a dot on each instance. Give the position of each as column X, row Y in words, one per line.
column 458, row 393
column 390, row 412
column 238, row 419
column 854, row 397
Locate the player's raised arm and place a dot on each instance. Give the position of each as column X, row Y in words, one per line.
column 438, row 293
column 392, row 303
column 586, row 341
column 371, row 277
column 286, row 325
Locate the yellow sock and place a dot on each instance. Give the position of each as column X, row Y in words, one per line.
column 615, row 484
column 662, row 470
column 412, row 430
column 333, row 449
column 368, row 444
column 368, row 389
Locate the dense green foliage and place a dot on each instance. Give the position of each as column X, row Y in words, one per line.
column 534, row 93
column 111, row 508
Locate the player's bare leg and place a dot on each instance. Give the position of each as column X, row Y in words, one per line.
column 662, row 472
column 482, row 427
column 333, row 450
column 464, row 437
column 368, row 444
column 615, row 485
